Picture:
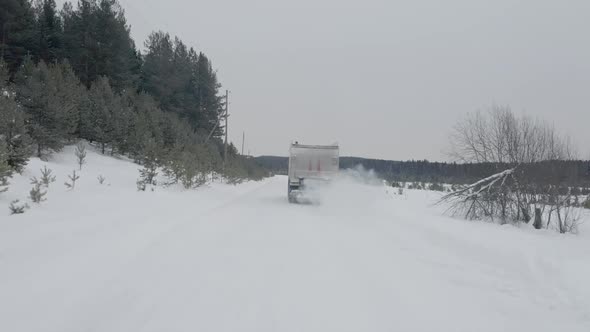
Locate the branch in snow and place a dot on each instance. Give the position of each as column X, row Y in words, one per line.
column 481, row 184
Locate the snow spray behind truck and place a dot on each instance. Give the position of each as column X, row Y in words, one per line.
column 310, row 166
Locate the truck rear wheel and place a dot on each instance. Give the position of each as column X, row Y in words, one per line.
column 289, row 195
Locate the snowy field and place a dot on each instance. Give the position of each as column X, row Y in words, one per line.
column 240, row 258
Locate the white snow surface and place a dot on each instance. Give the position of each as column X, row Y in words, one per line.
column 240, row 258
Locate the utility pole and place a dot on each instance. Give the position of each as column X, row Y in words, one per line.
column 243, row 139
column 225, row 116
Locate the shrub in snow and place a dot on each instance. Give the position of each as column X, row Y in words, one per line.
column 141, row 186
column 37, row 194
column 46, row 179
column 234, row 172
column 173, row 169
column 16, row 208
column 80, row 153
column 415, row 185
column 506, row 197
column 193, row 178
column 147, row 177
column 234, row 176
column 193, row 172
column 400, row 191
column 189, row 166
column 436, row 187
column 72, row 183
column 586, row 204
column 100, row 179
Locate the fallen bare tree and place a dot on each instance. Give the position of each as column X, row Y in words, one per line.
column 482, row 198
column 527, row 153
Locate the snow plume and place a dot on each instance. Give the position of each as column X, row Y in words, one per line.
column 353, row 189
column 360, row 175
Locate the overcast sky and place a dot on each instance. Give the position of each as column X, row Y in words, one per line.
column 384, row 79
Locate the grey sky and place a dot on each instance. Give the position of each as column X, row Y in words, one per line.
column 385, row 79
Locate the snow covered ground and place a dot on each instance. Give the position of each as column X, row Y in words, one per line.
column 240, row 258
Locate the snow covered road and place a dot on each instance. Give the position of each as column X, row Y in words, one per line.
column 243, row 259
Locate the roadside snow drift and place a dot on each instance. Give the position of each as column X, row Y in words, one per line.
column 240, row 258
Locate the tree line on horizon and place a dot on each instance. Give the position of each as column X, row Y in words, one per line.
column 76, row 73
column 572, row 172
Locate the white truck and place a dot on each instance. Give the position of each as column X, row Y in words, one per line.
column 309, row 166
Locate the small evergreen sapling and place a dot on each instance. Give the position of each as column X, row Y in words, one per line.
column 188, row 165
column 147, row 177
column 46, row 179
column 147, row 174
column 100, row 179
column 37, row 194
column 80, row 154
column 233, row 172
column 72, row 183
column 193, row 174
column 141, row 186
column 150, row 160
column 16, row 208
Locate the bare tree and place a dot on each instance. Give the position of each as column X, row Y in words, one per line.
column 526, row 152
column 499, row 136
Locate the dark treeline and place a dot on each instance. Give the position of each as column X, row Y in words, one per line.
column 76, row 73
column 574, row 173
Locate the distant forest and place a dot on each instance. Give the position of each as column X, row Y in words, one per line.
column 574, row 173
